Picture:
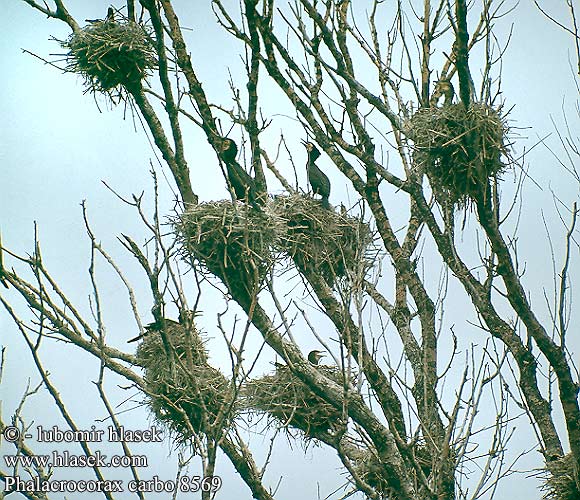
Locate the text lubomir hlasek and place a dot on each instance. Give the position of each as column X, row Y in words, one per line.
column 94, row 435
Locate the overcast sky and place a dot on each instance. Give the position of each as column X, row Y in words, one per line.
column 57, row 147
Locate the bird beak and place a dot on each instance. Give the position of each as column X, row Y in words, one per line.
column 304, row 143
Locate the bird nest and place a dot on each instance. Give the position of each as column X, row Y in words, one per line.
column 459, row 149
column 291, row 403
column 186, row 342
column 109, row 53
column 232, row 241
column 559, row 479
column 184, row 392
column 321, row 241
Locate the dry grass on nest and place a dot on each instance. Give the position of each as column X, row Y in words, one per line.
column 230, row 240
column 559, row 483
column 459, row 150
column 239, row 244
column 322, row 241
column 109, row 53
column 291, row 403
column 184, row 392
column 187, row 342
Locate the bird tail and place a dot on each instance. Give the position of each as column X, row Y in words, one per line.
column 326, row 203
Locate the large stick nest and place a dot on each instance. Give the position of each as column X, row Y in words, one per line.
column 459, row 149
column 559, row 479
column 232, row 241
column 323, row 242
column 291, row 403
column 240, row 244
column 184, row 391
column 110, row 53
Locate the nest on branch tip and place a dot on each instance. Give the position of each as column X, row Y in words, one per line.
column 109, row 53
column 321, row 241
column 184, row 392
column 232, row 241
column 459, row 149
column 291, row 403
column 559, row 482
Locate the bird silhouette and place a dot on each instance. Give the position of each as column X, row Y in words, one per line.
column 185, row 320
column 443, row 88
column 317, row 178
column 315, row 356
column 242, row 183
column 155, row 326
column 110, row 17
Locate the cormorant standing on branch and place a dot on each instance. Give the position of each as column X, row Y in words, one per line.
column 315, row 356
column 317, row 178
column 242, row 183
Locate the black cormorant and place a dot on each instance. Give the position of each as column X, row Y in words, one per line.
column 110, row 17
column 242, row 183
column 317, row 178
column 156, row 327
column 314, row 357
column 185, row 320
column 443, row 88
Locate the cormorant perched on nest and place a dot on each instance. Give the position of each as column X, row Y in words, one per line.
column 317, row 178
column 443, row 88
column 156, row 327
column 169, row 324
column 242, row 183
column 110, row 17
column 315, row 356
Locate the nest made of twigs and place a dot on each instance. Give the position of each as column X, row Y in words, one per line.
column 110, row 53
column 232, row 241
column 184, row 392
column 291, row 403
column 459, row 149
column 321, row 241
column 184, row 338
column 559, row 479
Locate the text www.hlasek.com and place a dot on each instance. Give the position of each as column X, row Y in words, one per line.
column 65, row 459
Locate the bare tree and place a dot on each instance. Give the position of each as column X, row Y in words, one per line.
column 373, row 92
